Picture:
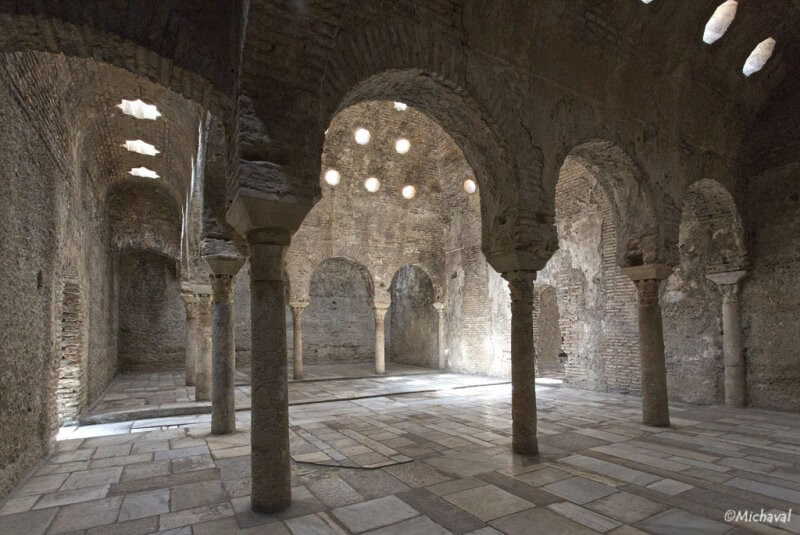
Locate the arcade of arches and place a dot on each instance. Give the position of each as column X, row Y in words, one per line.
column 428, row 267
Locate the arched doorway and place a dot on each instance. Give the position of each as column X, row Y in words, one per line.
column 547, row 332
column 339, row 325
column 412, row 321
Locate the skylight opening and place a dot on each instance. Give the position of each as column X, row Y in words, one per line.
column 402, row 145
column 362, row 136
column 139, row 109
column 470, row 186
column 332, row 177
column 646, row 1
column 372, row 184
column 759, row 56
column 141, row 147
column 719, row 22
column 143, row 172
column 409, row 192
column 400, row 106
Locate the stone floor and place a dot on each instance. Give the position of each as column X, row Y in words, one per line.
column 138, row 395
column 599, row 471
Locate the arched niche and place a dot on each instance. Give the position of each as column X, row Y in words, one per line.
column 412, row 321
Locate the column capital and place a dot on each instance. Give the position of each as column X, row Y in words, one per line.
column 439, row 306
column 267, row 251
column 380, row 310
column 300, row 305
column 222, row 286
column 648, row 272
column 726, row 278
column 520, row 285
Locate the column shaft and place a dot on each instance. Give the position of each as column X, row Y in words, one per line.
column 190, row 302
column 297, row 337
column 204, row 349
column 523, row 374
column 271, row 470
column 380, row 339
column 442, row 354
column 223, row 401
column 655, row 406
column 732, row 345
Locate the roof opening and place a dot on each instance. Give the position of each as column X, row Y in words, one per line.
column 759, row 56
column 139, row 109
column 719, row 22
column 143, row 172
column 141, row 147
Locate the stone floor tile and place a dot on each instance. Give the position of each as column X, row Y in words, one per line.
column 373, row 483
column 334, row 492
column 117, row 450
column 92, row 478
column 626, row 507
column 66, row 497
column 414, row 526
column 222, row 526
column 145, row 470
column 579, row 489
column 314, row 524
column 374, row 513
column 539, row 521
column 440, row 511
column 121, row 461
column 449, row 487
column 670, row 486
column 150, row 446
column 181, row 452
column 41, row 484
column 195, row 462
column 18, row 505
column 678, row 522
column 486, row 530
column 416, row 474
column 142, row 504
column 197, row 494
column 584, row 516
column 132, row 527
column 27, row 523
column 628, row 530
column 488, row 502
column 86, row 515
column 197, row 515
column 765, row 489
column 543, row 476
column 610, row 469
column 62, row 468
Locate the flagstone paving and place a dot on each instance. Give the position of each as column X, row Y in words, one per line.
column 599, row 471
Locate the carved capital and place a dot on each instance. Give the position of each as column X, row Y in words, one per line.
column 191, row 303
column 520, row 284
column 728, row 284
column 298, row 307
column 648, row 290
column 222, row 287
column 439, row 308
column 380, row 311
column 730, row 292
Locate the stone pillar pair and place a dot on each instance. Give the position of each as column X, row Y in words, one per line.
column 732, row 346
column 197, row 300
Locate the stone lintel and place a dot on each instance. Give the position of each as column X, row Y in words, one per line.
column 648, row 272
column 252, row 210
column 729, row 277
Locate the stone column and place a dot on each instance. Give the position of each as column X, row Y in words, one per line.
column 442, row 356
column 297, row 330
column 223, row 400
column 655, row 406
column 523, row 375
column 733, row 350
column 380, row 339
column 271, row 469
column 202, row 390
column 191, row 303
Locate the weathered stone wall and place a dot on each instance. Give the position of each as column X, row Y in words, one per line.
column 691, row 307
column 152, row 317
column 412, row 321
column 596, row 301
column 339, row 324
column 771, row 293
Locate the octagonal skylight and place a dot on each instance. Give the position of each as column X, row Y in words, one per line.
column 400, row 106
column 143, row 172
column 362, row 136
column 409, row 192
column 402, row 145
column 470, row 186
column 332, row 177
column 141, row 147
column 372, row 184
column 139, row 109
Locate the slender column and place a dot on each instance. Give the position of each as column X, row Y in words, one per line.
column 442, row 356
column 733, row 350
column 223, row 401
column 523, row 373
column 380, row 341
column 655, row 406
column 191, row 303
column 202, row 391
column 270, row 466
column 297, row 330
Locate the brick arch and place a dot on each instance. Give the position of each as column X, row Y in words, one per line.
column 436, row 282
column 301, row 284
column 716, row 209
column 151, row 40
column 640, row 238
column 144, row 217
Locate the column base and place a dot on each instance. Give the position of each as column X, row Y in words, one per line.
column 529, row 447
column 271, row 506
